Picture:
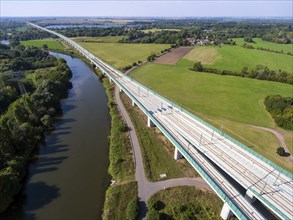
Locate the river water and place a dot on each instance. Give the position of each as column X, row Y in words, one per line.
column 69, row 178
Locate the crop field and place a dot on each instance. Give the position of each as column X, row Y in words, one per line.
column 157, row 29
column 121, row 55
column 234, row 58
column 52, row 44
column 108, row 39
column 265, row 44
column 234, row 102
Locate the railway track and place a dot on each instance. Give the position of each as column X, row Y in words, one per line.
column 271, row 186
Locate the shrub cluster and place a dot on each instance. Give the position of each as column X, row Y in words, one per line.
column 281, row 109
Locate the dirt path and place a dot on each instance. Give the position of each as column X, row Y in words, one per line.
column 145, row 188
column 280, row 136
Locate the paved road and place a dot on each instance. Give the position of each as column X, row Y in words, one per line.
column 199, row 142
column 145, row 188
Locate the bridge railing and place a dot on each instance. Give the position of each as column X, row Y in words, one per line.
column 221, row 193
column 213, row 184
column 219, row 132
column 262, row 158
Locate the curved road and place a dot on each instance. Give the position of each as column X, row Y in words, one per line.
column 279, row 136
column 145, row 188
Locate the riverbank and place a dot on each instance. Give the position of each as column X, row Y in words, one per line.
column 25, row 121
column 124, row 188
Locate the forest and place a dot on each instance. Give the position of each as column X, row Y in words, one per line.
column 217, row 30
column 32, row 82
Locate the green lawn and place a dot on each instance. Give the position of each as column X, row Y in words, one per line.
column 234, row 58
column 265, row 44
column 157, row 29
column 120, row 54
column 108, row 39
column 52, row 44
column 232, row 101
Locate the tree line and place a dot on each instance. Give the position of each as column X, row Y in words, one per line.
column 281, row 109
column 260, row 72
column 29, row 115
column 217, row 30
column 249, row 46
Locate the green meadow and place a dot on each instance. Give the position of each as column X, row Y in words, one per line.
column 265, row 44
column 121, row 54
column 108, row 39
column 51, row 43
column 234, row 102
column 234, row 58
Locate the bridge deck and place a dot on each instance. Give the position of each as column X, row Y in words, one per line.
column 270, row 184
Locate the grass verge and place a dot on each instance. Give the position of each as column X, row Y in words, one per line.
column 121, row 168
column 157, row 150
column 121, row 157
column 117, row 199
column 191, row 204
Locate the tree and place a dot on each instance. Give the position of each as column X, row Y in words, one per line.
column 248, row 39
column 198, row 67
column 47, row 121
column 45, row 47
column 281, row 151
column 244, row 71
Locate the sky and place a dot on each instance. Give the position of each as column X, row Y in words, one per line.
column 143, row 8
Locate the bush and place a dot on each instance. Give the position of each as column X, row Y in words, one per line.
column 281, row 151
column 132, row 209
column 153, row 215
column 198, row 67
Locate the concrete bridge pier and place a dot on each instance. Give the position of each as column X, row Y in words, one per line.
column 177, row 154
column 226, row 212
column 133, row 103
column 150, row 123
column 120, row 90
column 249, row 196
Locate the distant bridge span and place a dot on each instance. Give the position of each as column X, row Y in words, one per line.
column 210, row 151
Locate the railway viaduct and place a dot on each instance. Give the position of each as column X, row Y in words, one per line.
column 238, row 175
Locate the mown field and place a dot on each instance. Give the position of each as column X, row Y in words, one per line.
column 108, row 39
column 120, row 54
column 265, row 44
column 232, row 101
column 234, row 58
column 51, row 43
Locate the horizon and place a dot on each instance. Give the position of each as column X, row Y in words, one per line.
column 154, row 8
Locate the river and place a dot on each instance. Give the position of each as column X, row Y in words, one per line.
column 69, row 177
